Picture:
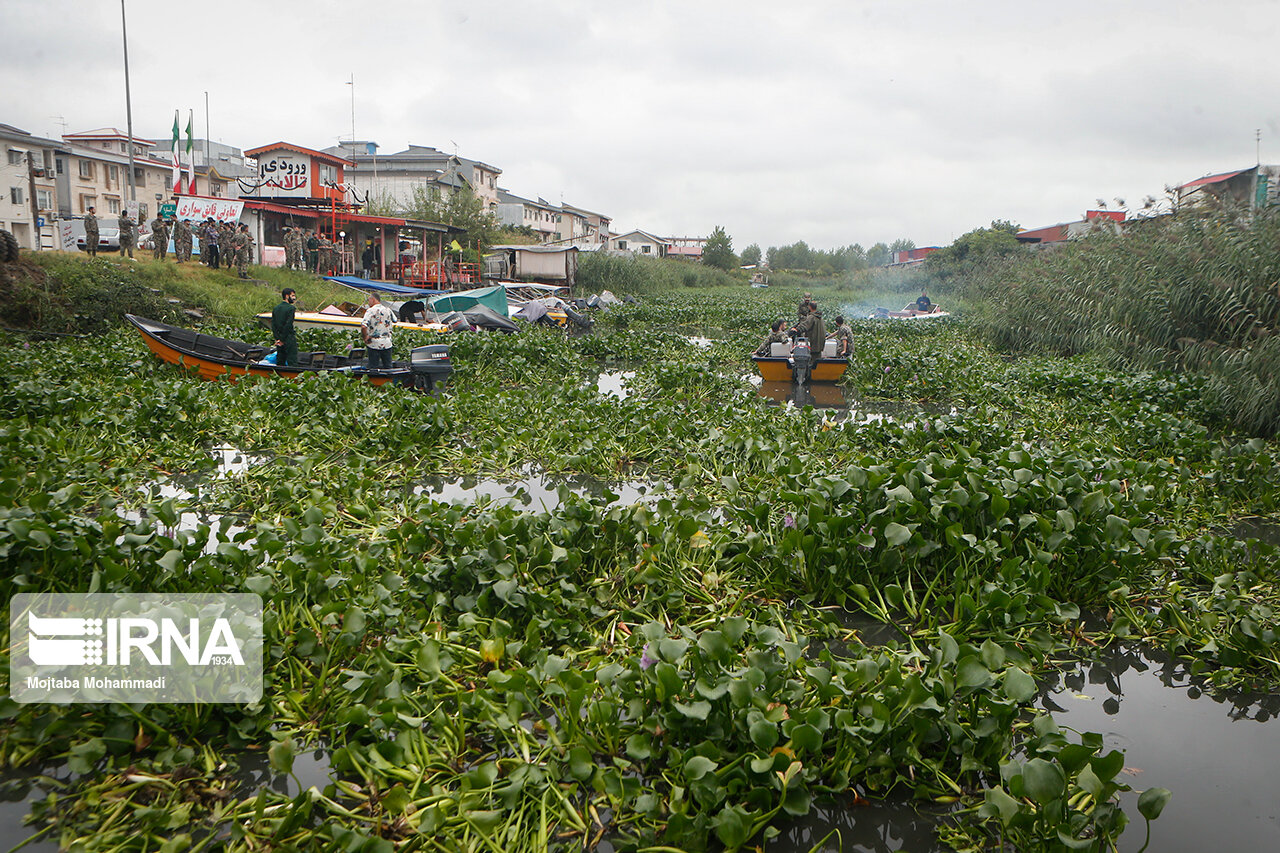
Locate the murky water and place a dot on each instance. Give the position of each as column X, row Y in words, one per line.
column 614, row 383
column 1254, row 527
column 1218, row 755
column 536, row 491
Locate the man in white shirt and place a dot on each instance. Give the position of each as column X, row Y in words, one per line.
column 375, row 328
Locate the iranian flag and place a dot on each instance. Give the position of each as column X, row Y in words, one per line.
column 191, row 156
column 177, row 167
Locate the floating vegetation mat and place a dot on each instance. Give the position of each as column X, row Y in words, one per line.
column 806, row 615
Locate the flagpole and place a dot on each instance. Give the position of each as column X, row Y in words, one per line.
column 128, row 103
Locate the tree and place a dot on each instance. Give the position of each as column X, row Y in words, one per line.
column 751, row 255
column 878, row 255
column 902, row 244
column 461, row 208
column 718, row 252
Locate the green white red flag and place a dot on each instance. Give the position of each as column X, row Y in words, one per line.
column 177, row 167
column 191, row 156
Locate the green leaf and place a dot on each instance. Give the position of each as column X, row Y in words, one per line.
column 694, row 710
column 1152, row 802
column 280, row 756
column 697, row 767
column 733, row 826
column 1018, row 685
column 896, row 534
column 581, row 763
column 396, row 800
column 1043, row 780
column 1107, row 766
column 1006, row 806
column 714, row 645
column 806, row 738
column 764, row 734
column 970, row 672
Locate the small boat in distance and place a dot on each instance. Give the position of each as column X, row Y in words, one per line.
column 922, row 309
column 213, row 358
column 796, row 363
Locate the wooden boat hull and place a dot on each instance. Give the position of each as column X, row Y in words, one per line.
column 778, row 369
column 214, row 358
column 318, row 320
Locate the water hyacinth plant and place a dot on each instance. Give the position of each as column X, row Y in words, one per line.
column 676, row 673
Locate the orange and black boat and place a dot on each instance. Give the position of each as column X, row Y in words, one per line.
column 796, row 363
column 213, row 358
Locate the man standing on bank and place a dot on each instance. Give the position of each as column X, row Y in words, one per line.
column 282, row 328
column 91, row 233
column 375, row 328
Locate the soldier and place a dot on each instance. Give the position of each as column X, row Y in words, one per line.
column 226, row 236
column 127, row 235
column 159, row 238
column 313, row 252
column 844, row 339
column 243, row 243
column 326, row 255
column 91, row 232
column 287, row 238
column 182, row 240
column 777, row 335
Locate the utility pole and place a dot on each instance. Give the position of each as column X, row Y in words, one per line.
column 37, row 241
column 128, row 103
column 208, row 164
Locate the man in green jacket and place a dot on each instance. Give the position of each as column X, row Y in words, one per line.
column 282, row 328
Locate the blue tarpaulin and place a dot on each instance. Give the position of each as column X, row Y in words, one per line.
column 382, row 286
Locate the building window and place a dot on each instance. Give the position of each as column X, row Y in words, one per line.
column 44, row 199
column 15, row 195
column 60, row 166
column 86, row 169
column 15, row 157
column 113, row 205
column 644, row 250
column 622, row 244
column 139, row 177
column 113, row 174
column 86, row 202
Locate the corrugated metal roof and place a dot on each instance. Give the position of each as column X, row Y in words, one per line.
column 1212, row 179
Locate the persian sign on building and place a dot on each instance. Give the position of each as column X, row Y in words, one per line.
column 195, row 207
column 284, row 174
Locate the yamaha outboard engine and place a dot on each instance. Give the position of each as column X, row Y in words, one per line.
column 801, row 360
column 431, row 366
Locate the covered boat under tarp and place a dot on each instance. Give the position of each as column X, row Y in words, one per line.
column 493, row 298
column 213, row 357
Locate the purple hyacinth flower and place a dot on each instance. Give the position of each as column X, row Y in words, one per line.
column 645, row 660
column 789, row 521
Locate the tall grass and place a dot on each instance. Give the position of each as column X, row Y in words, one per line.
column 1199, row 291
column 598, row 271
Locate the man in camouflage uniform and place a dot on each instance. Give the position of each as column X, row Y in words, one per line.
column 159, row 238
column 226, row 241
column 844, row 339
column 182, row 240
column 777, row 335
column 128, row 237
column 287, row 238
column 326, row 255
column 243, row 243
column 91, row 233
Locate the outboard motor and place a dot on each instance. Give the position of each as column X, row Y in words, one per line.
column 431, row 366
column 801, row 360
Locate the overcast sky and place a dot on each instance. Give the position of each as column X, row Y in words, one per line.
column 831, row 122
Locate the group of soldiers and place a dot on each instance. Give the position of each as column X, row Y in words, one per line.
column 307, row 250
column 809, row 325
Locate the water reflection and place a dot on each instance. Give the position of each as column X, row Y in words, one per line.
column 614, row 383
column 879, row 826
column 536, row 491
column 1176, row 735
column 1255, row 527
column 820, row 395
